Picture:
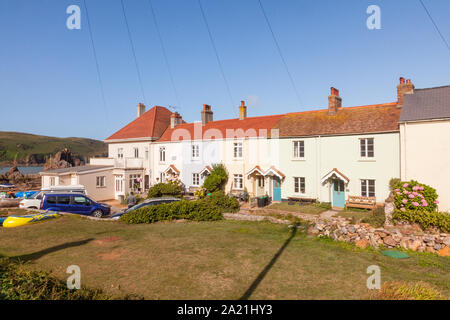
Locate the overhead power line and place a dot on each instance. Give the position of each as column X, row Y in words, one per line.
column 96, row 62
column 280, row 53
column 163, row 49
column 134, row 52
column 215, row 51
column 435, row 25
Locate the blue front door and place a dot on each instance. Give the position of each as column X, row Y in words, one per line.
column 338, row 193
column 276, row 189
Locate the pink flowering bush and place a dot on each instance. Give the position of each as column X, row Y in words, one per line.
column 412, row 195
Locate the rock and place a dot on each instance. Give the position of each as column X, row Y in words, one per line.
column 381, row 234
column 362, row 244
column 389, row 208
column 437, row 247
column 414, row 245
column 389, row 241
column 430, row 249
column 351, row 229
column 312, row 230
column 446, row 241
column 444, row 252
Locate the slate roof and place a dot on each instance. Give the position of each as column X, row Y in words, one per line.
column 77, row 169
column 426, row 104
column 149, row 125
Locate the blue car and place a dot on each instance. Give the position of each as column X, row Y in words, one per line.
column 74, row 203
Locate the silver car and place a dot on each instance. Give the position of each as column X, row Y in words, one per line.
column 145, row 203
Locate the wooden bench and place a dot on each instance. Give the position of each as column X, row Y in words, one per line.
column 361, row 202
column 302, row 200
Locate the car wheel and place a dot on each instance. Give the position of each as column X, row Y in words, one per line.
column 97, row 213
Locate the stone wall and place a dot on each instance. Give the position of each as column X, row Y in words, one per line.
column 405, row 236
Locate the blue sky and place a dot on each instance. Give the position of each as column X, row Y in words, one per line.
column 49, row 83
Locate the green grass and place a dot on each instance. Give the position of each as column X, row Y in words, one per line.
column 209, row 260
column 16, row 145
column 308, row 209
column 375, row 219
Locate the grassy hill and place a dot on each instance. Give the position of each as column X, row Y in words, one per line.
column 36, row 148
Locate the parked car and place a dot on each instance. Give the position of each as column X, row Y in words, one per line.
column 34, row 202
column 145, row 203
column 74, row 203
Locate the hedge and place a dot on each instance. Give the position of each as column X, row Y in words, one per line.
column 225, row 203
column 412, row 195
column 424, row 218
column 171, row 188
column 191, row 210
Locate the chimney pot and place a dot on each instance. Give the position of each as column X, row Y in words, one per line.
column 242, row 111
column 175, row 119
column 140, row 109
column 334, row 101
column 402, row 89
column 207, row 114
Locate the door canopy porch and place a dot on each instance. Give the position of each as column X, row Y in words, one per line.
column 172, row 170
column 335, row 173
column 206, row 170
column 272, row 171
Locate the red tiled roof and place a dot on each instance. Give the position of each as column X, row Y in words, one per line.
column 149, row 125
column 248, row 127
column 349, row 120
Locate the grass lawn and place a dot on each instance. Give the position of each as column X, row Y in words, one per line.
column 309, row 209
column 210, row 260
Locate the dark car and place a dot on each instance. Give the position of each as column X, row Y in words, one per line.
column 74, row 203
column 145, row 203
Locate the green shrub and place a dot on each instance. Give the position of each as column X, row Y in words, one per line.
column 400, row 290
column 424, row 218
column 225, row 203
column 16, row 283
column 323, row 205
column 198, row 210
column 216, row 179
column 377, row 219
column 393, row 182
column 413, row 195
column 171, row 188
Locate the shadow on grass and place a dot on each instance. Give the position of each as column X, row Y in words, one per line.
column 38, row 254
column 269, row 266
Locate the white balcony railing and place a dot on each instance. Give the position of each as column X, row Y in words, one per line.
column 129, row 163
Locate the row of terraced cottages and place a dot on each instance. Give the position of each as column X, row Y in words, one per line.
column 324, row 154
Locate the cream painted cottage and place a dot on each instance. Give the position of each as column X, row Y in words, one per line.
column 327, row 154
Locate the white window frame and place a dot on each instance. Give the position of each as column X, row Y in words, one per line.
column 162, row 154
column 146, row 153
column 162, row 177
column 238, row 182
column 100, row 181
column 237, row 150
column 52, row 181
column 365, row 188
column 364, row 148
column 195, row 151
column 196, row 179
column 120, row 153
column 298, row 182
column 136, row 152
column 298, row 149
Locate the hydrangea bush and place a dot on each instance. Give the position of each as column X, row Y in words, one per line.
column 413, row 195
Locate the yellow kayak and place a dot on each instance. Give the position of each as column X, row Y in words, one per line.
column 18, row 221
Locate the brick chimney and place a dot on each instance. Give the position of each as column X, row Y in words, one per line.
column 140, row 109
column 402, row 89
column 175, row 119
column 207, row 114
column 334, row 102
column 242, row 111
